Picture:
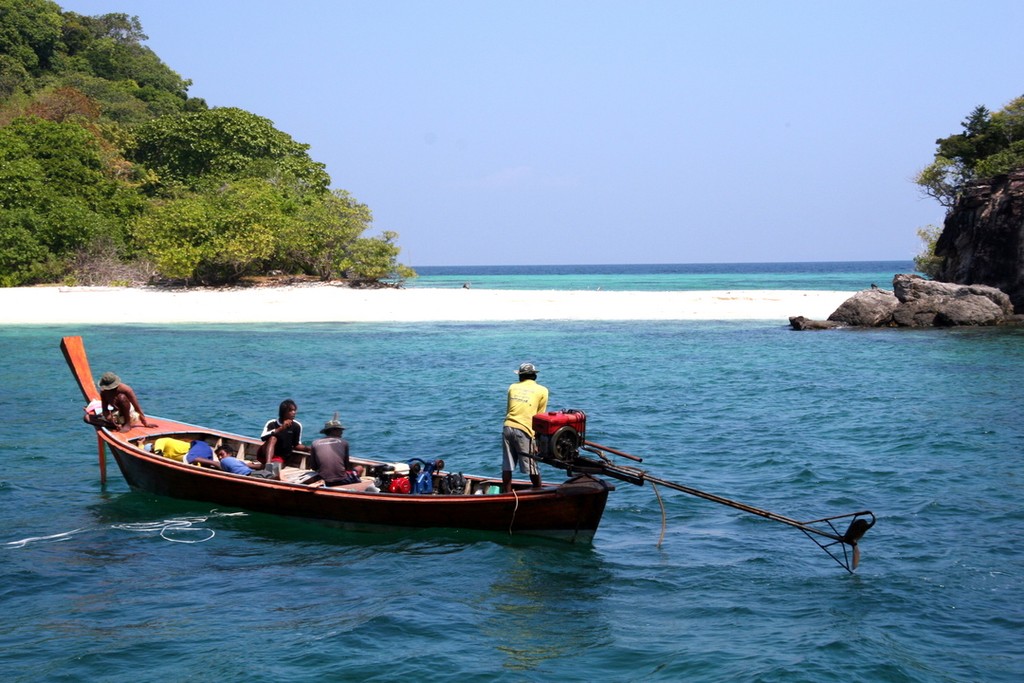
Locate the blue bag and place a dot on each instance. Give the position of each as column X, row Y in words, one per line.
column 423, row 481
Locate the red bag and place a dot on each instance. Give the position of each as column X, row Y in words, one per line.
column 399, row 485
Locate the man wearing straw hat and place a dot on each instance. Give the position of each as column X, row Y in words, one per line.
column 329, row 456
column 526, row 398
column 118, row 405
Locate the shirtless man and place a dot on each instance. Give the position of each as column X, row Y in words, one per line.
column 120, row 406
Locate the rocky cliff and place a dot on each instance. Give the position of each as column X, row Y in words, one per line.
column 983, row 237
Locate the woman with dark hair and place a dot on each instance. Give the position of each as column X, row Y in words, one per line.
column 282, row 437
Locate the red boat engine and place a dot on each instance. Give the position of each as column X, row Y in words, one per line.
column 560, row 435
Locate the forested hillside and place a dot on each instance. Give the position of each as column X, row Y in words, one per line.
column 111, row 174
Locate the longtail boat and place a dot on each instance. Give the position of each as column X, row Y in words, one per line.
column 568, row 511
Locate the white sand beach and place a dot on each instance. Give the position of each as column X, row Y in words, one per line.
column 329, row 303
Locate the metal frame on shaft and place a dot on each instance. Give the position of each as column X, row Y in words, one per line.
column 563, row 451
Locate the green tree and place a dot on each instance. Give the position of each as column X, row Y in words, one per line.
column 1003, row 161
column 979, row 139
column 121, row 28
column 991, row 143
column 216, row 237
column 14, row 78
column 376, row 258
column 927, row 262
column 30, row 33
column 203, row 149
column 320, row 239
column 112, row 60
column 120, row 101
column 58, row 194
column 60, row 170
column 942, row 180
column 23, row 260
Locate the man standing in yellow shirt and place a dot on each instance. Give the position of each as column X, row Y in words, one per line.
column 526, row 398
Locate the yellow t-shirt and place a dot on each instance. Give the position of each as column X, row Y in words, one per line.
column 175, row 449
column 525, row 399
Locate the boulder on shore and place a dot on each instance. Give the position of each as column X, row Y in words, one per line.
column 917, row 302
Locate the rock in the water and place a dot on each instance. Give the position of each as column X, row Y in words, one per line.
column 798, row 322
column 917, row 302
column 867, row 308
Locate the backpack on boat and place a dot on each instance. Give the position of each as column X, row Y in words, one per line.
column 421, row 475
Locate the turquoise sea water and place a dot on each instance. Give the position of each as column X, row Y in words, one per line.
column 837, row 276
column 921, row 426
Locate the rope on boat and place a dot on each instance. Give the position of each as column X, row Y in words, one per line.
column 661, row 503
column 514, row 510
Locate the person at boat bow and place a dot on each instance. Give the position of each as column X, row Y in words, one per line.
column 526, row 398
column 118, row 405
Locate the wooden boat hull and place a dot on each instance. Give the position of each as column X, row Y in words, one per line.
column 571, row 511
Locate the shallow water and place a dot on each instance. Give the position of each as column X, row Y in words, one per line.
column 829, row 276
column 922, row 427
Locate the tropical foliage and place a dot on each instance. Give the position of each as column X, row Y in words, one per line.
column 991, row 143
column 107, row 165
column 927, row 262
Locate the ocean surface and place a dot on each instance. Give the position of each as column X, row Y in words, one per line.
column 828, row 276
column 923, row 427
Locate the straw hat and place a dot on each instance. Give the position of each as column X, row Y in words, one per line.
column 333, row 423
column 527, row 369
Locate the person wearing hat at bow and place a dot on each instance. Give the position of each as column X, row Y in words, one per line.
column 118, row 405
column 329, row 456
column 526, row 398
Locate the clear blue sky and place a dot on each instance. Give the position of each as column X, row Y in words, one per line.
column 567, row 131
